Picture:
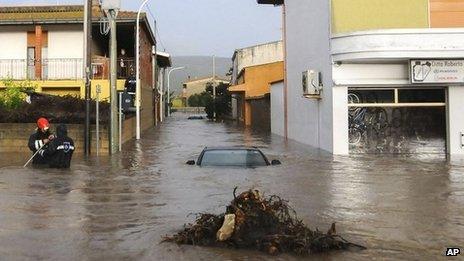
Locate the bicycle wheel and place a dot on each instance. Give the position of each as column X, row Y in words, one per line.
column 354, row 136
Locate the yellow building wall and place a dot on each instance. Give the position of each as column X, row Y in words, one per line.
column 177, row 103
column 358, row 15
column 255, row 82
column 257, row 78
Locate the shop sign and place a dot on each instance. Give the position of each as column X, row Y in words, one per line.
column 437, row 71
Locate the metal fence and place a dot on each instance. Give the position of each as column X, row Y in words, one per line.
column 52, row 69
column 100, row 68
column 16, row 69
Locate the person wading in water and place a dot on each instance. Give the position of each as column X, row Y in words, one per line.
column 60, row 150
column 39, row 141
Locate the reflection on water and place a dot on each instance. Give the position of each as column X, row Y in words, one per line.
column 118, row 208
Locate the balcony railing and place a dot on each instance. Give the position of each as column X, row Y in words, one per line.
column 62, row 69
column 16, row 69
column 51, row 69
column 101, row 67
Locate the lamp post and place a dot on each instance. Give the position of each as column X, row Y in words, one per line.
column 137, row 71
column 169, row 87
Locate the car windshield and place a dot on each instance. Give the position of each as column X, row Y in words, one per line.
column 238, row 157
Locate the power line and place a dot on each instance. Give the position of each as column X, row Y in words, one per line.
column 156, row 27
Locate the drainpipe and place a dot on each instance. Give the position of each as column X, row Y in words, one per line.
column 284, row 43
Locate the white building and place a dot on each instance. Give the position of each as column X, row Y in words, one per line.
column 393, row 82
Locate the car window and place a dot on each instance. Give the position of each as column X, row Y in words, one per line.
column 248, row 158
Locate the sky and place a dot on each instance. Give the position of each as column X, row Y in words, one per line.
column 202, row 27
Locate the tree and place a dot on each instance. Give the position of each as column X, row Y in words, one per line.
column 14, row 94
column 222, row 103
column 200, row 99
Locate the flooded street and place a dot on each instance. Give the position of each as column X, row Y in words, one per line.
column 119, row 208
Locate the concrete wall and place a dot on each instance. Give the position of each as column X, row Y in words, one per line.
column 258, row 78
column 277, row 109
column 255, row 55
column 15, row 136
column 312, row 121
column 455, row 119
column 357, row 15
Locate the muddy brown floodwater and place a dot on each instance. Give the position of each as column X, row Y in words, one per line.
column 118, row 208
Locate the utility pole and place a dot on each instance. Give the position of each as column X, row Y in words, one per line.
column 214, row 86
column 87, row 71
column 112, row 14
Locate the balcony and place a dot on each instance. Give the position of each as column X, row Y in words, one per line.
column 101, row 68
column 61, row 69
column 51, row 69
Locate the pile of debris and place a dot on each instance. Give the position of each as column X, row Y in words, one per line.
column 255, row 222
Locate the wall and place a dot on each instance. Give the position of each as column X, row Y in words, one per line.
column 65, row 44
column 446, row 13
column 261, row 114
column 15, row 136
column 455, row 120
column 277, row 108
column 357, row 15
column 146, row 80
column 308, row 32
column 13, row 45
column 255, row 55
column 257, row 78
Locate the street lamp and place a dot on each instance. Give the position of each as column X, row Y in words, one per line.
column 137, row 71
column 169, row 87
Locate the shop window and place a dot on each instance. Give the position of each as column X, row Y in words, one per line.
column 415, row 96
column 374, row 96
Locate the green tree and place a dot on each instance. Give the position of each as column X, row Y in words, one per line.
column 14, row 94
column 200, row 99
column 222, row 103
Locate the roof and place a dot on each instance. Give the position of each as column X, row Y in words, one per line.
column 163, row 59
column 255, row 66
column 271, row 2
column 238, row 88
column 218, row 78
column 62, row 14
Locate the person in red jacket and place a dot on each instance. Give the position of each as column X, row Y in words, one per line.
column 39, row 140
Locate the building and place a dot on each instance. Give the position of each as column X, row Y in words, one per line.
column 254, row 69
column 197, row 86
column 381, row 76
column 45, row 44
column 163, row 62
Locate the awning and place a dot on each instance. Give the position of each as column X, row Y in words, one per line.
column 237, row 88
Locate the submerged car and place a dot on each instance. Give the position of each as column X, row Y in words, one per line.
column 196, row 117
column 232, row 157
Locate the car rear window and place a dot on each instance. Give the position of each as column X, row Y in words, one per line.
column 247, row 158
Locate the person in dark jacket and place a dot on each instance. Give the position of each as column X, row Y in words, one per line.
column 39, row 140
column 60, row 150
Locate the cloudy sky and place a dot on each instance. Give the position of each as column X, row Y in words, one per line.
column 202, row 27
